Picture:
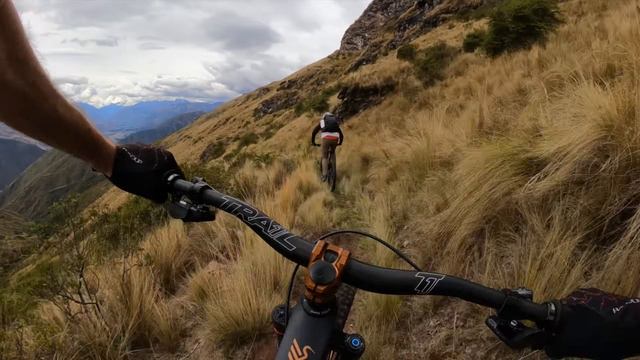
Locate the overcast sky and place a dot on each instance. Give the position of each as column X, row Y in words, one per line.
column 124, row 51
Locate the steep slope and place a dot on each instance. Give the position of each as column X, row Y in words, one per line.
column 15, row 243
column 15, row 156
column 519, row 170
column 51, row 178
column 56, row 175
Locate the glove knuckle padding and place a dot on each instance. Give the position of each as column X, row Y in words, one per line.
column 595, row 324
column 142, row 170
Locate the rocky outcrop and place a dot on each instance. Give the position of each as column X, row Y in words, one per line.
column 387, row 24
column 370, row 25
column 280, row 101
column 357, row 98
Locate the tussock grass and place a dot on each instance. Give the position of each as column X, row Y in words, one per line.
column 515, row 171
column 168, row 252
column 133, row 315
column 314, row 215
column 246, row 297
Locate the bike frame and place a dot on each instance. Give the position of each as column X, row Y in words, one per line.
column 308, row 336
column 314, row 329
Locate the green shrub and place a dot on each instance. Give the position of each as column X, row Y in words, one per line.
column 215, row 174
column 318, row 103
column 473, row 40
column 518, row 24
column 480, row 12
column 213, row 151
column 248, row 139
column 58, row 219
column 432, row 62
column 406, row 52
column 124, row 228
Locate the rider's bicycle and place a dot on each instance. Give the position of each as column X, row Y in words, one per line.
column 332, row 172
column 313, row 328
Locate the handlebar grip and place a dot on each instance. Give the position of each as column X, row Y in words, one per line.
column 181, row 185
column 194, row 190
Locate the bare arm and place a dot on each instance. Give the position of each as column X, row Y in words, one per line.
column 30, row 103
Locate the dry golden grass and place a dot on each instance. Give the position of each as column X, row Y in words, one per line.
column 515, row 171
column 168, row 252
column 132, row 314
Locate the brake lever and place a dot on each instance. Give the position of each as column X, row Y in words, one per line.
column 188, row 212
column 515, row 333
column 183, row 208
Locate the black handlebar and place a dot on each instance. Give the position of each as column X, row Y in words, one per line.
column 362, row 275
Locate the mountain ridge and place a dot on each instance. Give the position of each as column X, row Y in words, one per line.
column 121, row 120
column 56, row 175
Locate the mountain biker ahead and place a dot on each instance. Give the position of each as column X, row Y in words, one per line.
column 330, row 135
column 591, row 323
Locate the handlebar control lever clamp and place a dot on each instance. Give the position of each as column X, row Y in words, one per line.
column 183, row 207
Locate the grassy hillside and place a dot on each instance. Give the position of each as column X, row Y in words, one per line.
column 51, row 178
column 56, row 175
column 15, row 241
column 15, row 156
column 514, row 170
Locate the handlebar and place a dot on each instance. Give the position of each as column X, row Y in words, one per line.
column 363, row 275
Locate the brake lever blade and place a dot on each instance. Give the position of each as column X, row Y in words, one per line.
column 188, row 212
column 516, row 334
column 178, row 209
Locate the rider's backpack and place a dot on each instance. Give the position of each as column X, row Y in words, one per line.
column 329, row 123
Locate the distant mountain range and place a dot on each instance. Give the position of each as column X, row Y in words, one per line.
column 119, row 121
column 56, row 175
column 163, row 130
column 144, row 122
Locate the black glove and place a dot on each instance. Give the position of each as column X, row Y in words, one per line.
column 595, row 324
column 142, row 170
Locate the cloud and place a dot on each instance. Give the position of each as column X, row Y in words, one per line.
column 128, row 92
column 74, row 80
column 91, row 13
column 109, row 41
column 151, row 46
column 123, row 50
column 242, row 75
column 238, row 33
